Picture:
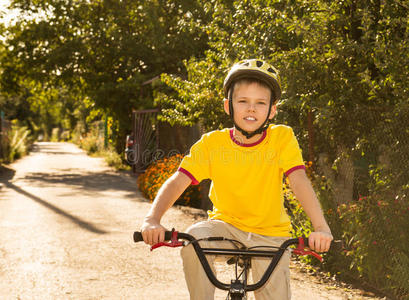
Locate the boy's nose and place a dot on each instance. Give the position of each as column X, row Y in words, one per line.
column 251, row 107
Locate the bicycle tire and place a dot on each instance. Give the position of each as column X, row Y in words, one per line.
column 236, row 297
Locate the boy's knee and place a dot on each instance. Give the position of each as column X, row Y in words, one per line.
column 200, row 230
column 197, row 231
column 187, row 252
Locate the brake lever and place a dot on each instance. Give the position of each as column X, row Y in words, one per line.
column 174, row 242
column 300, row 250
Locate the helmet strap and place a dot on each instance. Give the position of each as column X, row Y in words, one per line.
column 263, row 126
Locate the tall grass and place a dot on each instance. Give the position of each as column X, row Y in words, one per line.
column 17, row 143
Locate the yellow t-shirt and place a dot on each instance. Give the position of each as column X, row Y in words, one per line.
column 247, row 180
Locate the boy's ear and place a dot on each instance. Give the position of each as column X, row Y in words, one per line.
column 273, row 111
column 226, row 106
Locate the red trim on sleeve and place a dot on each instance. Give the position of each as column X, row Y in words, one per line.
column 186, row 172
column 294, row 169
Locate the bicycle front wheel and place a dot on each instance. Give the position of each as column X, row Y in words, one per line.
column 237, row 297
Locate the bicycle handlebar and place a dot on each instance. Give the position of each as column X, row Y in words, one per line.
column 137, row 237
column 274, row 255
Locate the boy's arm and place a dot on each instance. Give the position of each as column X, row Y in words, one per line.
column 152, row 231
column 320, row 239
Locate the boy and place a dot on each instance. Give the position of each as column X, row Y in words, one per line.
column 246, row 165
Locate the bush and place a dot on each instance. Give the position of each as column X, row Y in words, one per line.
column 17, row 143
column 374, row 232
column 113, row 159
column 93, row 140
column 158, row 172
column 91, row 144
column 377, row 237
column 65, row 136
column 94, row 144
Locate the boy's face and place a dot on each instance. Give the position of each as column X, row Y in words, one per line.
column 250, row 104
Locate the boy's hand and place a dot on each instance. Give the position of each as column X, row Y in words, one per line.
column 320, row 241
column 152, row 231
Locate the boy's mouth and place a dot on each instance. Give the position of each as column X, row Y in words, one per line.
column 250, row 119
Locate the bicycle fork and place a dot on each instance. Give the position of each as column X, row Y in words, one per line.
column 237, row 289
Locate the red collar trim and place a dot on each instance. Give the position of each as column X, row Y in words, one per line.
column 248, row 145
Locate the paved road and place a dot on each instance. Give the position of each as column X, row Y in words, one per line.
column 66, row 223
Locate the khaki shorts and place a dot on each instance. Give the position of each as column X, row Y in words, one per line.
column 200, row 288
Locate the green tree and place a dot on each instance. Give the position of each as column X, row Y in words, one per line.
column 338, row 68
column 344, row 67
column 108, row 49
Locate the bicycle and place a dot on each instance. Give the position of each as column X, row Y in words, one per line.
column 241, row 257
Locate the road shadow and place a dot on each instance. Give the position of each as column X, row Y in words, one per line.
column 85, row 181
column 81, row 223
column 54, row 148
column 7, row 174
